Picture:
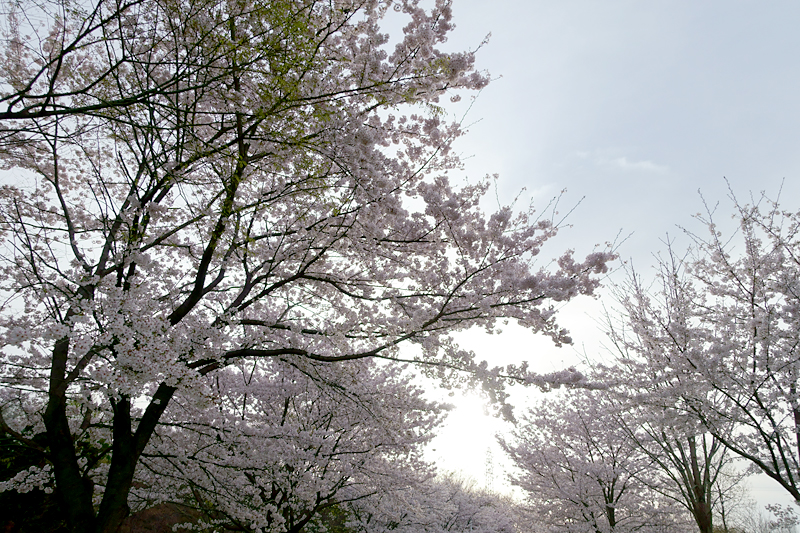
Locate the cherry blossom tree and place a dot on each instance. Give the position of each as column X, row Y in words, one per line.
column 192, row 184
column 446, row 504
column 657, row 413
column 287, row 447
column 724, row 320
column 581, row 471
column 687, row 461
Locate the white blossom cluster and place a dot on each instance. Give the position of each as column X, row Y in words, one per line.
column 32, row 478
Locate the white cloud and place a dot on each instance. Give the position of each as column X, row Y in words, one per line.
column 646, row 166
column 606, row 158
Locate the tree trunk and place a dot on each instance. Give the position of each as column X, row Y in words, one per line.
column 74, row 492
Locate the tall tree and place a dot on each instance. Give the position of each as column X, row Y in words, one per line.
column 653, row 393
column 687, row 461
column 725, row 320
column 197, row 183
column 581, row 471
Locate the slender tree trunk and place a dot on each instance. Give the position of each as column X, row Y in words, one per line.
column 701, row 507
column 612, row 519
column 703, row 517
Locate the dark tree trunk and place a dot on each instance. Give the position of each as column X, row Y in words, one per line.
column 74, row 492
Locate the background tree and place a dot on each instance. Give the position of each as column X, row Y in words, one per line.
column 652, row 391
column 687, row 460
column 725, row 317
column 582, row 472
column 445, row 504
column 196, row 183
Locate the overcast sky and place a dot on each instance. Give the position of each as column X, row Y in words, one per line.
column 632, row 106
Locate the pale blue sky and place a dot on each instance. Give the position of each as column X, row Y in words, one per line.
column 635, row 105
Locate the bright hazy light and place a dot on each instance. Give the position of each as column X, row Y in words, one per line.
column 468, row 439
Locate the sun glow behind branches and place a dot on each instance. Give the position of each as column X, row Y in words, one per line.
column 463, row 443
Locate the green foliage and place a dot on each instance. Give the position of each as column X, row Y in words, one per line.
column 333, row 519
